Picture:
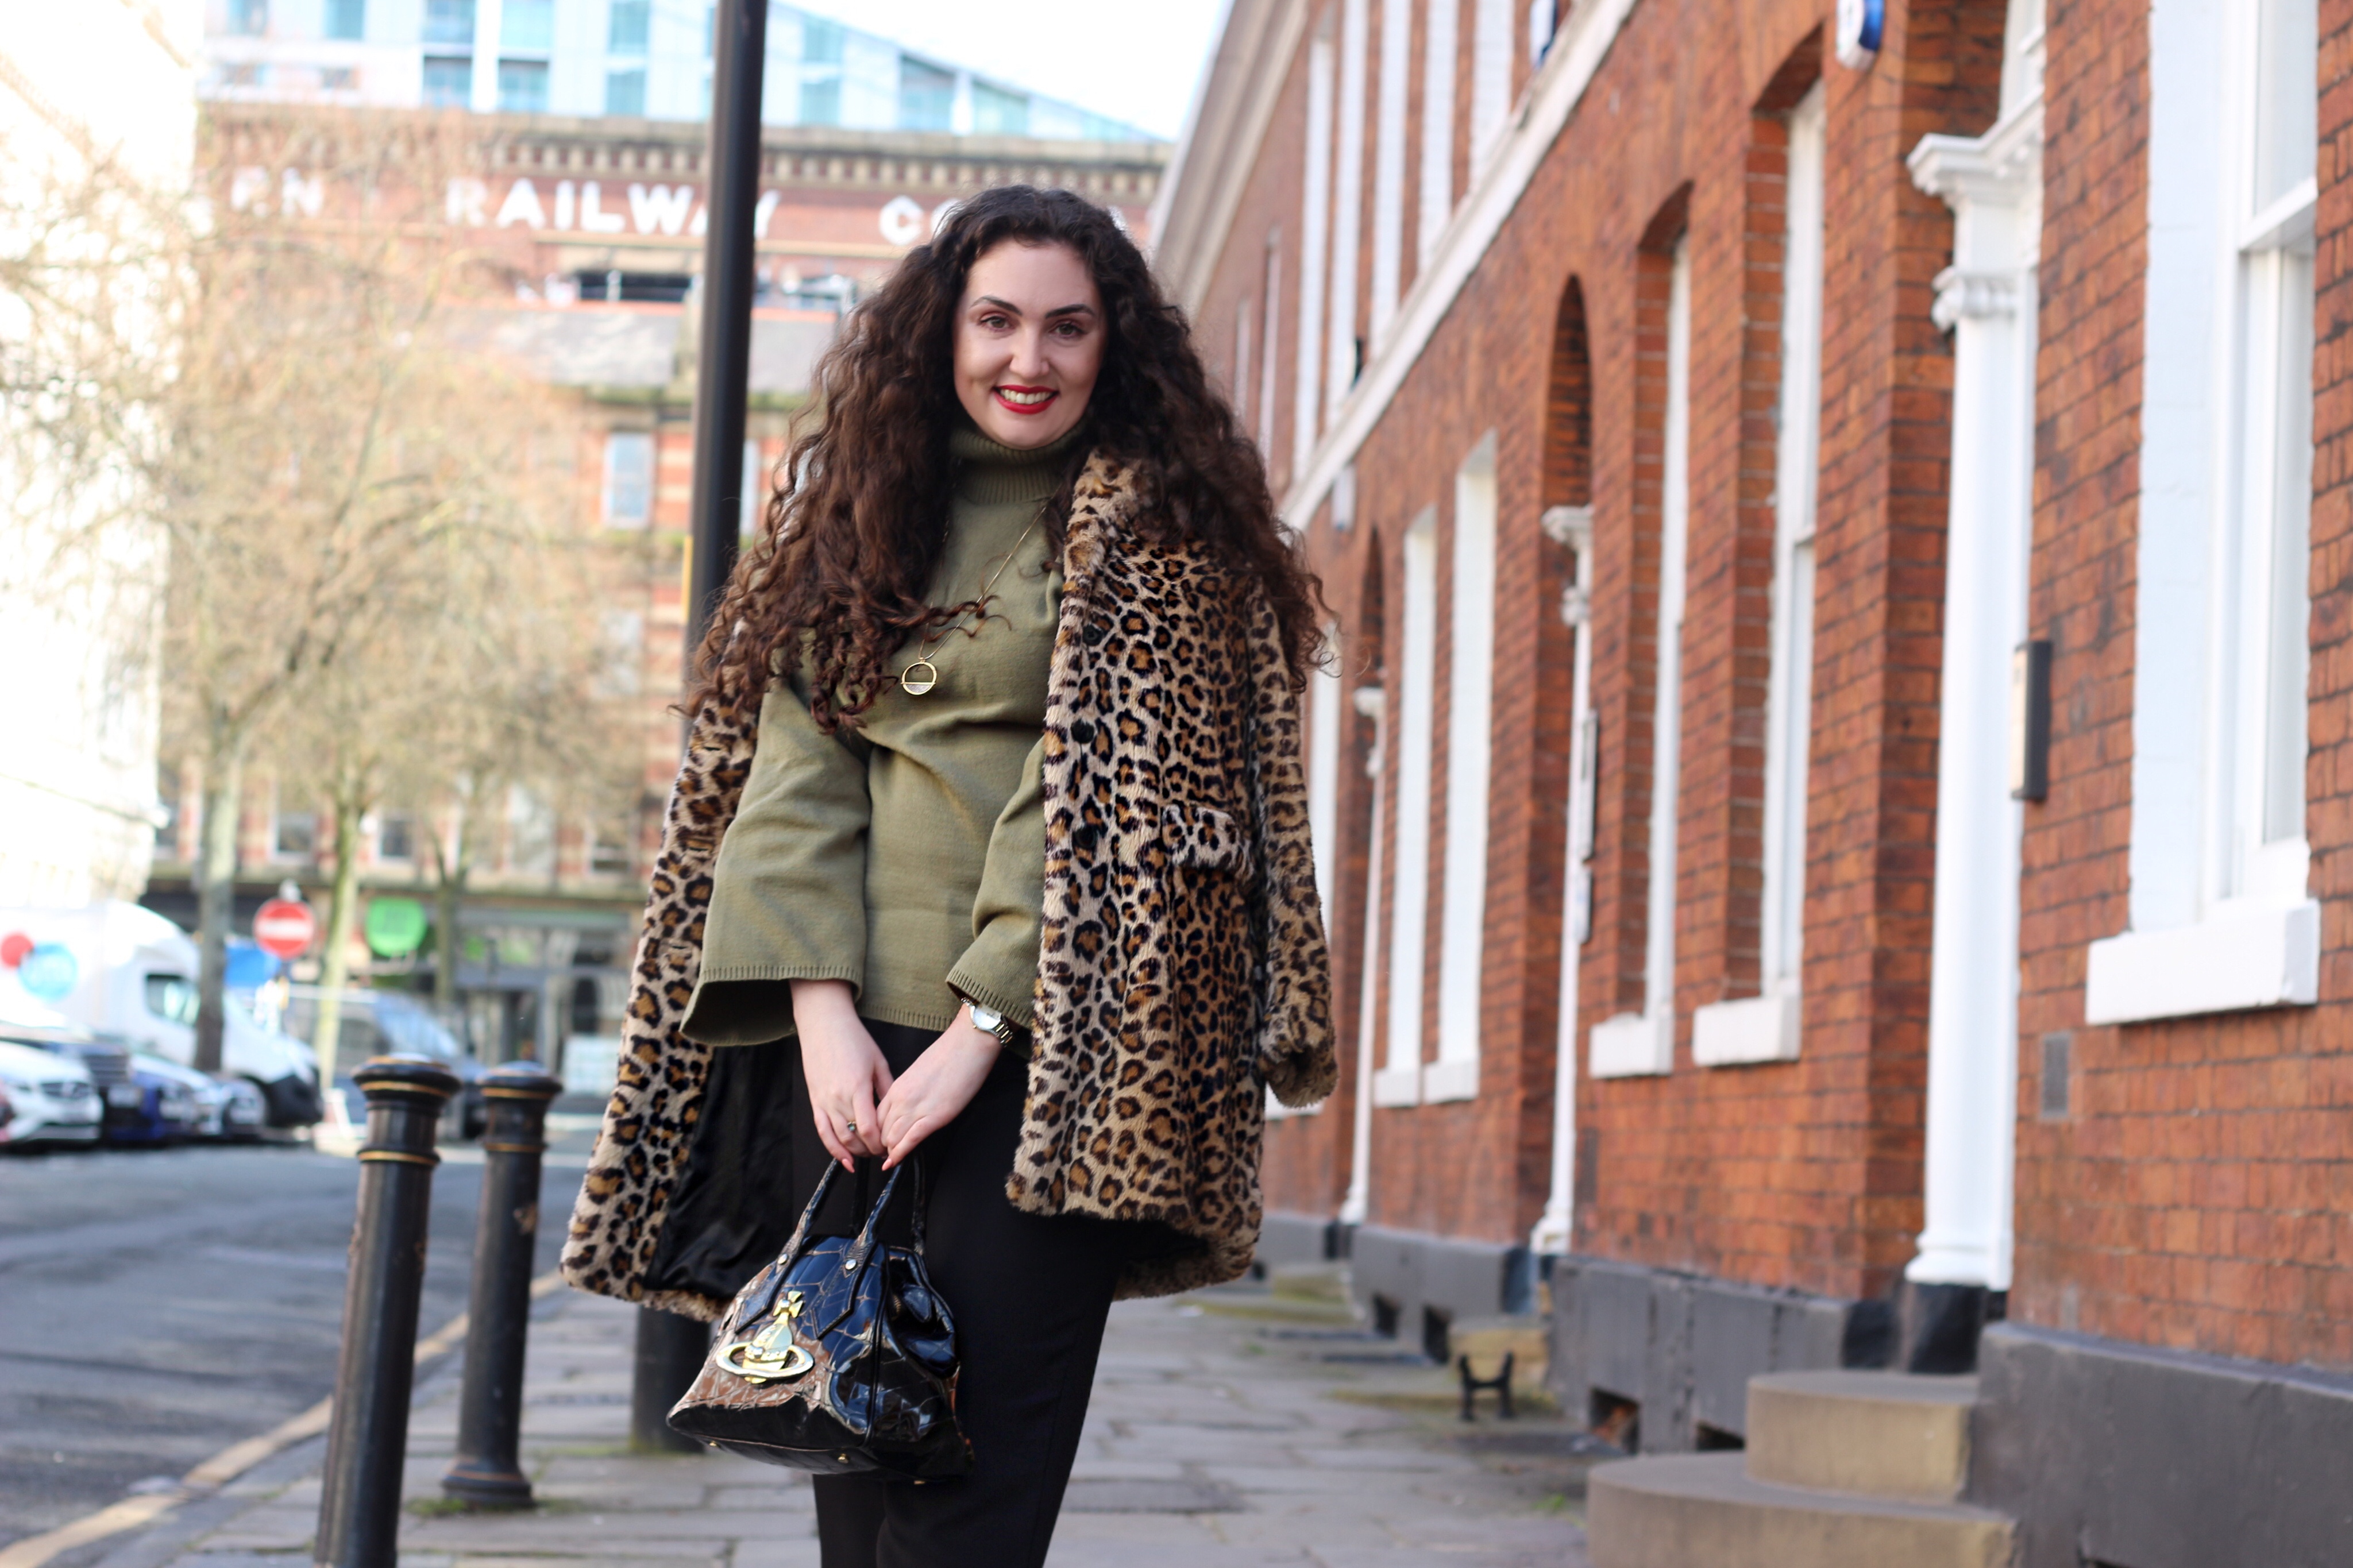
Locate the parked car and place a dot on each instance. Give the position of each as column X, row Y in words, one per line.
column 130, row 973
column 222, row 1106
column 393, row 1023
column 51, row 1099
column 131, row 1111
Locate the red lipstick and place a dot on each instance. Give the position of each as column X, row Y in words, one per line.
column 1044, row 397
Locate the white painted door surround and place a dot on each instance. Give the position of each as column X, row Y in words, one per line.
column 1572, row 526
column 1986, row 299
column 1371, row 701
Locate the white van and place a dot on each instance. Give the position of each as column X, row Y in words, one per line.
column 135, row 980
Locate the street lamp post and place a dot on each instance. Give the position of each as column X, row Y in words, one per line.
column 722, row 370
column 670, row 1348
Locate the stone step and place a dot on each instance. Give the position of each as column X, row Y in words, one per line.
column 1882, row 1433
column 1705, row 1510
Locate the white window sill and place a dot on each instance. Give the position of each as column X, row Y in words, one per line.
column 1753, row 1029
column 1632, row 1044
column 2225, row 964
column 1445, row 1080
column 1397, row 1086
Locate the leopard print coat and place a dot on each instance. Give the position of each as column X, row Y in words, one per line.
column 1182, row 968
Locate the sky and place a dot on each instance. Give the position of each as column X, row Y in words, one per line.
column 1135, row 61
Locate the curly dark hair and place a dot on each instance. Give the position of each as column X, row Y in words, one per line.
column 858, row 519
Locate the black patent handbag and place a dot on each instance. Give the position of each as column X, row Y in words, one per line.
column 839, row 1357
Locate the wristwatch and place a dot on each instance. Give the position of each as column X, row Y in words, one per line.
column 989, row 1022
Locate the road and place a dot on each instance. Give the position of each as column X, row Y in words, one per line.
column 156, row 1305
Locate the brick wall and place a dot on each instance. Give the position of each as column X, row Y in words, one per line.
column 1801, row 1174
column 2189, row 1184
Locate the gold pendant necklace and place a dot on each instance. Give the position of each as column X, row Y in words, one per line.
column 915, row 685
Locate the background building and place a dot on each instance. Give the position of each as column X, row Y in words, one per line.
column 78, row 579
column 624, row 58
column 1827, row 808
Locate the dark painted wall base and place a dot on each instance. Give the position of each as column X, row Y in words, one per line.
column 1293, row 1239
column 1412, row 1284
column 1936, row 1326
column 1682, row 1347
column 2114, row 1455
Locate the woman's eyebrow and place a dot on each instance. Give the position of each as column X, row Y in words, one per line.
column 1082, row 308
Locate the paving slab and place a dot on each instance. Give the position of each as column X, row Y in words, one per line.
column 1222, row 1435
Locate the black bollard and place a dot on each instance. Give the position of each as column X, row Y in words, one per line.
column 486, row 1472
column 670, row 1353
column 367, row 1438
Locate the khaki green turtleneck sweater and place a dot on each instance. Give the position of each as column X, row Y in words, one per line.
column 907, row 857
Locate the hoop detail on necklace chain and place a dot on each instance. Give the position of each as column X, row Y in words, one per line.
column 915, row 685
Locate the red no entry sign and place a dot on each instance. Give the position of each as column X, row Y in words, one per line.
column 283, row 928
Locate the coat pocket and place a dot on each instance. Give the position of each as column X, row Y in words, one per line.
column 1203, row 836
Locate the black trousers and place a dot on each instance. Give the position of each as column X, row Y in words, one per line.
column 1031, row 1296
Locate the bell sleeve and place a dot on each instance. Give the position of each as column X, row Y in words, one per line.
column 999, row 970
column 788, row 890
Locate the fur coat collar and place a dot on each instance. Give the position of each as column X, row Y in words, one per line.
column 1182, row 968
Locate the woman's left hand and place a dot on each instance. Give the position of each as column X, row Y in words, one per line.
column 936, row 1087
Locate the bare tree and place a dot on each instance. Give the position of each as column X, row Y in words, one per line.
column 268, row 368
column 484, row 677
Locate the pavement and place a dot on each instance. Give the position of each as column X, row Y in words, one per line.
column 158, row 1306
column 1230, row 1428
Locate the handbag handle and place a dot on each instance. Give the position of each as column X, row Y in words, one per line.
column 797, row 1243
column 862, row 1247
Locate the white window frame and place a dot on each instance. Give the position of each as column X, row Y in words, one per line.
column 1440, row 46
column 1490, row 79
column 2220, row 909
column 1399, row 1082
column 1347, row 208
column 1765, row 1027
column 1315, row 224
column 614, row 442
column 1327, row 705
column 754, row 499
column 1327, row 720
column 1241, row 386
column 1389, row 168
column 1632, row 1044
column 1470, row 724
column 1269, row 337
column 1356, row 1205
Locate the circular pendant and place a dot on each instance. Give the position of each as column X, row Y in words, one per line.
column 915, row 685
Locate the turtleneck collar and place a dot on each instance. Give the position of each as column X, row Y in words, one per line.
column 987, row 473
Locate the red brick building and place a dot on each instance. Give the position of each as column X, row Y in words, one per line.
column 1827, row 802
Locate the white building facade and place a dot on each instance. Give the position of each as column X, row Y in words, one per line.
column 78, row 571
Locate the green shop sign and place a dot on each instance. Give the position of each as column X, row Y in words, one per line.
column 394, row 927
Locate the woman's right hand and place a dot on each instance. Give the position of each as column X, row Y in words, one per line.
column 847, row 1074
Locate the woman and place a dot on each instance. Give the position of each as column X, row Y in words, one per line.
column 990, row 843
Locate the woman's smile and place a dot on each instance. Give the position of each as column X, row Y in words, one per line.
column 1025, row 400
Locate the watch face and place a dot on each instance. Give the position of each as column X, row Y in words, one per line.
column 984, row 1020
